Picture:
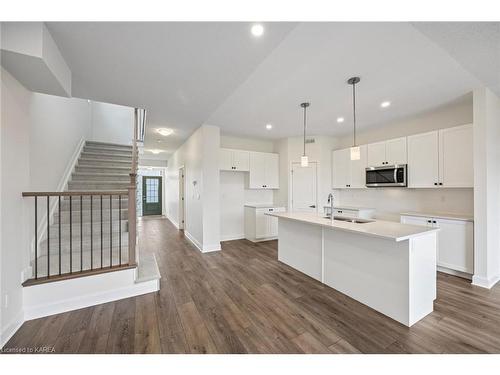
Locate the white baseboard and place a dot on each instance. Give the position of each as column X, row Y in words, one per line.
column 58, row 297
column 449, row 271
column 233, row 237
column 484, row 282
column 176, row 224
column 11, row 328
column 210, row 248
column 193, row 240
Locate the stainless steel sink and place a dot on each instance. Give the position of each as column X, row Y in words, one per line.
column 349, row 219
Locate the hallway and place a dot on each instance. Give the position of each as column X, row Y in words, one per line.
column 242, row 300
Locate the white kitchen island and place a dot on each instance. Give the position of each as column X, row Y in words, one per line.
column 388, row 266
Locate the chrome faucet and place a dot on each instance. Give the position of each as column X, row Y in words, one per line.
column 330, row 201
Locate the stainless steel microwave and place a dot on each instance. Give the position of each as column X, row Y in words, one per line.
column 388, row 175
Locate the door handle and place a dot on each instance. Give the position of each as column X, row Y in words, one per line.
column 313, row 206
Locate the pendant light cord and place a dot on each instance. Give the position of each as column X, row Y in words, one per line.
column 305, row 131
column 354, row 110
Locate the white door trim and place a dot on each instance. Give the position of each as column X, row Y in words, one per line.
column 182, row 194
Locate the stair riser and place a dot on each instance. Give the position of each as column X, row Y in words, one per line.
column 106, row 156
column 84, row 185
column 65, row 248
column 75, row 205
column 100, row 177
column 107, row 145
column 125, row 151
column 85, row 216
column 102, row 169
column 104, row 163
column 54, row 229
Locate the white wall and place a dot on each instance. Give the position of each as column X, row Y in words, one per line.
column 389, row 202
column 234, row 192
column 15, row 174
column 112, row 123
column 486, row 188
column 290, row 150
column 199, row 156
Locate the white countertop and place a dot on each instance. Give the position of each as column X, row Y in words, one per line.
column 440, row 215
column 262, row 205
column 353, row 208
column 377, row 228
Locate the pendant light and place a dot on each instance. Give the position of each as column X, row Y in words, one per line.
column 355, row 150
column 304, row 161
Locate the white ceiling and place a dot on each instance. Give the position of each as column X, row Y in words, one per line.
column 187, row 74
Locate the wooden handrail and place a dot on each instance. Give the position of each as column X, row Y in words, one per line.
column 73, row 193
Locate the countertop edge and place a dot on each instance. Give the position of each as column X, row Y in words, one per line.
column 444, row 216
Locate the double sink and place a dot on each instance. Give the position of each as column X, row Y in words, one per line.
column 349, row 219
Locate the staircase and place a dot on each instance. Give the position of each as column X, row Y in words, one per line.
column 89, row 231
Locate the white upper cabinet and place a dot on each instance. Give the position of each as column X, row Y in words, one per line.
column 347, row 173
column 396, row 151
column 234, row 160
column 456, row 157
column 388, row 152
column 376, row 154
column 442, row 158
column 423, row 160
column 264, row 171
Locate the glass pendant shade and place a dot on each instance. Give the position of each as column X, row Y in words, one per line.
column 304, row 161
column 355, row 153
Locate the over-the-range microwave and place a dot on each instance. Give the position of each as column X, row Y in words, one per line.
column 388, row 175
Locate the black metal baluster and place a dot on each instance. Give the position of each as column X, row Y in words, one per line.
column 120, row 229
column 36, row 237
column 101, row 231
column 110, row 232
column 81, row 233
column 48, row 237
column 59, row 208
column 70, row 235
column 91, row 233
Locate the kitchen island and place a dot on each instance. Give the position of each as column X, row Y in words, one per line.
column 388, row 266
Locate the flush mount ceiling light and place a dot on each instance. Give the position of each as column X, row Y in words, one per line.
column 340, row 120
column 164, row 131
column 304, row 160
column 257, row 30
column 156, row 152
column 355, row 150
column 269, row 126
column 385, row 104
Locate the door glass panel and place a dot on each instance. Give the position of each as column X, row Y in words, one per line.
column 152, row 190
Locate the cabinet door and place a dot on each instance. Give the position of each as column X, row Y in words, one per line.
column 456, row 157
column 376, row 154
column 261, row 223
column 455, row 245
column 273, row 226
column 225, row 160
column 423, row 165
column 395, row 151
column 341, row 169
column 257, row 175
column 272, row 171
column 358, row 170
column 241, row 160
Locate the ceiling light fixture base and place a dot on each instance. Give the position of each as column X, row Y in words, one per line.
column 353, row 80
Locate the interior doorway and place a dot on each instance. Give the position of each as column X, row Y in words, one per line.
column 182, row 193
column 151, row 195
column 304, row 192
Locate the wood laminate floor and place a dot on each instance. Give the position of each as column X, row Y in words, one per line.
column 242, row 300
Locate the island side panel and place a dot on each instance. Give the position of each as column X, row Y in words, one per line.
column 300, row 246
column 373, row 271
column 423, row 274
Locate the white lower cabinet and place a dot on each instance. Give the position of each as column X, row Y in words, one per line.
column 258, row 225
column 455, row 249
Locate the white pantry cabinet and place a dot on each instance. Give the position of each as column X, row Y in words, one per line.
column 389, row 152
column 441, row 158
column 347, row 173
column 264, row 171
column 258, row 225
column 455, row 250
column 234, row 160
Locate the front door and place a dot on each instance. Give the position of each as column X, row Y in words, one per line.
column 151, row 195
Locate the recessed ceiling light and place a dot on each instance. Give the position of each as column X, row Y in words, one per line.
column 340, row 119
column 385, row 104
column 165, row 132
column 257, row 30
column 269, row 126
